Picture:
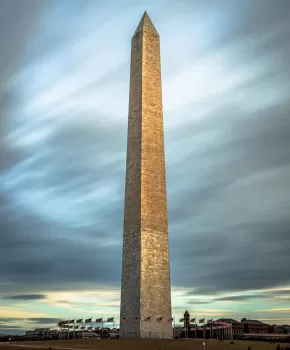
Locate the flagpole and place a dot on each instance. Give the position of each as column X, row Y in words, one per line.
column 225, row 332
column 74, row 329
column 102, row 327
column 195, row 326
column 174, row 327
column 210, row 330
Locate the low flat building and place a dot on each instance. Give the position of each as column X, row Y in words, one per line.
column 37, row 333
column 238, row 327
column 255, row 326
column 273, row 329
column 284, row 329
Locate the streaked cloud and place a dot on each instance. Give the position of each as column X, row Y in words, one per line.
column 26, row 297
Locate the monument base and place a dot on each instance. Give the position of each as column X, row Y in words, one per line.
column 146, row 330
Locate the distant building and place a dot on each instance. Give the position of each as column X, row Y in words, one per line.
column 255, row 326
column 246, row 326
column 202, row 329
column 37, row 333
column 274, row 329
column 238, row 327
column 284, row 329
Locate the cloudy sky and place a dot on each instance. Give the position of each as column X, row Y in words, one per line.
column 64, row 90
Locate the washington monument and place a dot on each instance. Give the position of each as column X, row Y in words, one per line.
column 145, row 292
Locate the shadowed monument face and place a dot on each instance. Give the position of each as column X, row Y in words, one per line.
column 145, row 293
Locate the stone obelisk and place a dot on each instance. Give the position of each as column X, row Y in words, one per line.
column 145, row 292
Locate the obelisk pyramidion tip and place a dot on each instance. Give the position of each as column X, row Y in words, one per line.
column 145, row 25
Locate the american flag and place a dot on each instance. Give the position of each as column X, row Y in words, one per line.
column 88, row 320
column 201, row 320
column 110, row 319
column 99, row 320
column 80, row 320
column 181, row 320
column 170, row 319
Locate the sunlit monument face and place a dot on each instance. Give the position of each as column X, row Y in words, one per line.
column 145, row 295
